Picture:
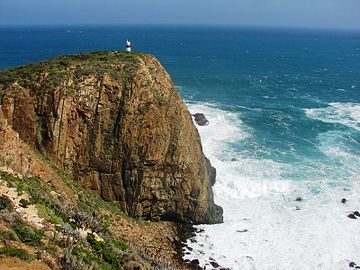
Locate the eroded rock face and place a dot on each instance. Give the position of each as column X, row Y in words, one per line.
column 115, row 122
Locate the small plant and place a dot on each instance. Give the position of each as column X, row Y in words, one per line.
column 8, row 235
column 26, row 233
column 48, row 214
column 119, row 245
column 106, row 252
column 21, row 187
column 160, row 98
column 17, row 252
column 24, row 203
column 5, row 203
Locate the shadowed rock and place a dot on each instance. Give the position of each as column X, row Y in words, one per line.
column 200, row 119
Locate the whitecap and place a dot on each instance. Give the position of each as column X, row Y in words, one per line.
column 271, row 222
column 347, row 114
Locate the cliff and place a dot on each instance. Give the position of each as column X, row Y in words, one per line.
column 115, row 123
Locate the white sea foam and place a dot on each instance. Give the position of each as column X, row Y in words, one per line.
column 262, row 227
column 347, row 114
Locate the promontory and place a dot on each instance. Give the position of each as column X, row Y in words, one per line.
column 110, row 125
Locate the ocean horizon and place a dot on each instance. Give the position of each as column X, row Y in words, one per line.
column 283, row 107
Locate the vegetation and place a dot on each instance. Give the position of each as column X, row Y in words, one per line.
column 26, row 233
column 97, row 249
column 16, row 252
column 119, row 66
column 5, row 202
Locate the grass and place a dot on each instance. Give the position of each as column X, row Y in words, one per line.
column 49, row 214
column 119, row 66
column 9, row 235
column 119, row 245
column 106, row 252
column 16, row 252
column 109, row 254
column 26, row 233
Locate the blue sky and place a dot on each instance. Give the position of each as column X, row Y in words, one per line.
column 288, row 13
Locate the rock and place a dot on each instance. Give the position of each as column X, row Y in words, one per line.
column 234, row 159
column 214, row 264
column 352, row 216
column 352, row 264
column 343, row 201
column 298, row 199
column 49, row 234
column 297, row 208
column 117, row 126
column 242, row 231
column 133, row 265
column 195, row 264
column 200, row 119
column 356, row 213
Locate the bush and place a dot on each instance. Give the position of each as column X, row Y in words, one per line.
column 26, row 233
column 5, row 203
column 106, row 252
column 119, row 245
column 16, row 252
column 9, row 235
column 48, row 214
column 24, row 203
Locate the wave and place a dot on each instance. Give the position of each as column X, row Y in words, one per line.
column 271, row 221
column 347, row 114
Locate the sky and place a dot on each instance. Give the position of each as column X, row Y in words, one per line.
column 285, row 13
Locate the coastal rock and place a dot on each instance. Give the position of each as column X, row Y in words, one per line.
column 352, row 216
column 115, row 123
column 200, row 119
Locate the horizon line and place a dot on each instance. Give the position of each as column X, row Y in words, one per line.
column 200, row 25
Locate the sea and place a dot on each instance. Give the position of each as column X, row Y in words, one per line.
column 283, row 107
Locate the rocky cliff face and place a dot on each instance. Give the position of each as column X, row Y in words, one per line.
column 116, row 124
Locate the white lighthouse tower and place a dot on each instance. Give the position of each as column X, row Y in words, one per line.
column 128, row 46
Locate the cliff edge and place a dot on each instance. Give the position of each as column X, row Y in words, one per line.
column 115, row 123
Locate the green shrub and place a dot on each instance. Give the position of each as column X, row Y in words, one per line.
column 106, row 252
column 5, row 202
column 8, row 235
column 119, row 245
column 48, row 214
column 16, row 252
column 26, row 233
column 24, row 203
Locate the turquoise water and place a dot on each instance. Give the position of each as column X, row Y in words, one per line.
column 283, row 105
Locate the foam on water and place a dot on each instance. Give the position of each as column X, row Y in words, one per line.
column 265, row 225
column 347, row 114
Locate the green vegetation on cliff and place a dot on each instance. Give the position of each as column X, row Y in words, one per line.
column 118, row 65
column 95, row 247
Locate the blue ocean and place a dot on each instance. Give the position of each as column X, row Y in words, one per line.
column 284, row 131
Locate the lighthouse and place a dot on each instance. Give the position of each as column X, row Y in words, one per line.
column 128, row 46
